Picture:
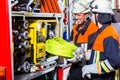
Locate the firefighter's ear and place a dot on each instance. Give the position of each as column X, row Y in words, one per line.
column 86, row 16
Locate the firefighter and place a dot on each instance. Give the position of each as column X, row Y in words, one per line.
column 82, row 28
column 105, row 57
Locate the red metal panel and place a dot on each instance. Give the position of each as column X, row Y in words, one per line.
column 5, row 38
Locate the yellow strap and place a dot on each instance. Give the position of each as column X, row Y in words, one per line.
column 97, row 60
column 116, row 74
column 104, row 67
column 97, row 56
column 98, row 67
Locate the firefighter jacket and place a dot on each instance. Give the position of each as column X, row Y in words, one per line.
column 105, row 53
column 81, row 36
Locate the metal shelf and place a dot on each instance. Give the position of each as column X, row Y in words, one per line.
column 29, row 76
column 31, row 14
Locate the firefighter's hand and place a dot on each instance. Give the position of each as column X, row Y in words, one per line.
column 74, row 59
column 78, row 55
column 88, row 69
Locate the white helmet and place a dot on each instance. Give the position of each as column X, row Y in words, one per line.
column 81, row 6
column 102, row 6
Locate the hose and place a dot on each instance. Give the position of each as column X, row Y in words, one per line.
column 60, row 47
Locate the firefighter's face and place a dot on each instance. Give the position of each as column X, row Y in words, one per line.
column 80, row 18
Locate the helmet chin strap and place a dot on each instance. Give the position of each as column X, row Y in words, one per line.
column 96, row 21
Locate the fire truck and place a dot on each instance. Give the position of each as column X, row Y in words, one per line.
column 21, row 39
column 26, row 24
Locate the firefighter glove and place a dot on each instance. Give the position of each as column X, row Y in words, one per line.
column 78, row 55
column 90, row 69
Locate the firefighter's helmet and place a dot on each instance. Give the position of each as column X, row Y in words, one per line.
column 81, row 6
column 102, row 6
